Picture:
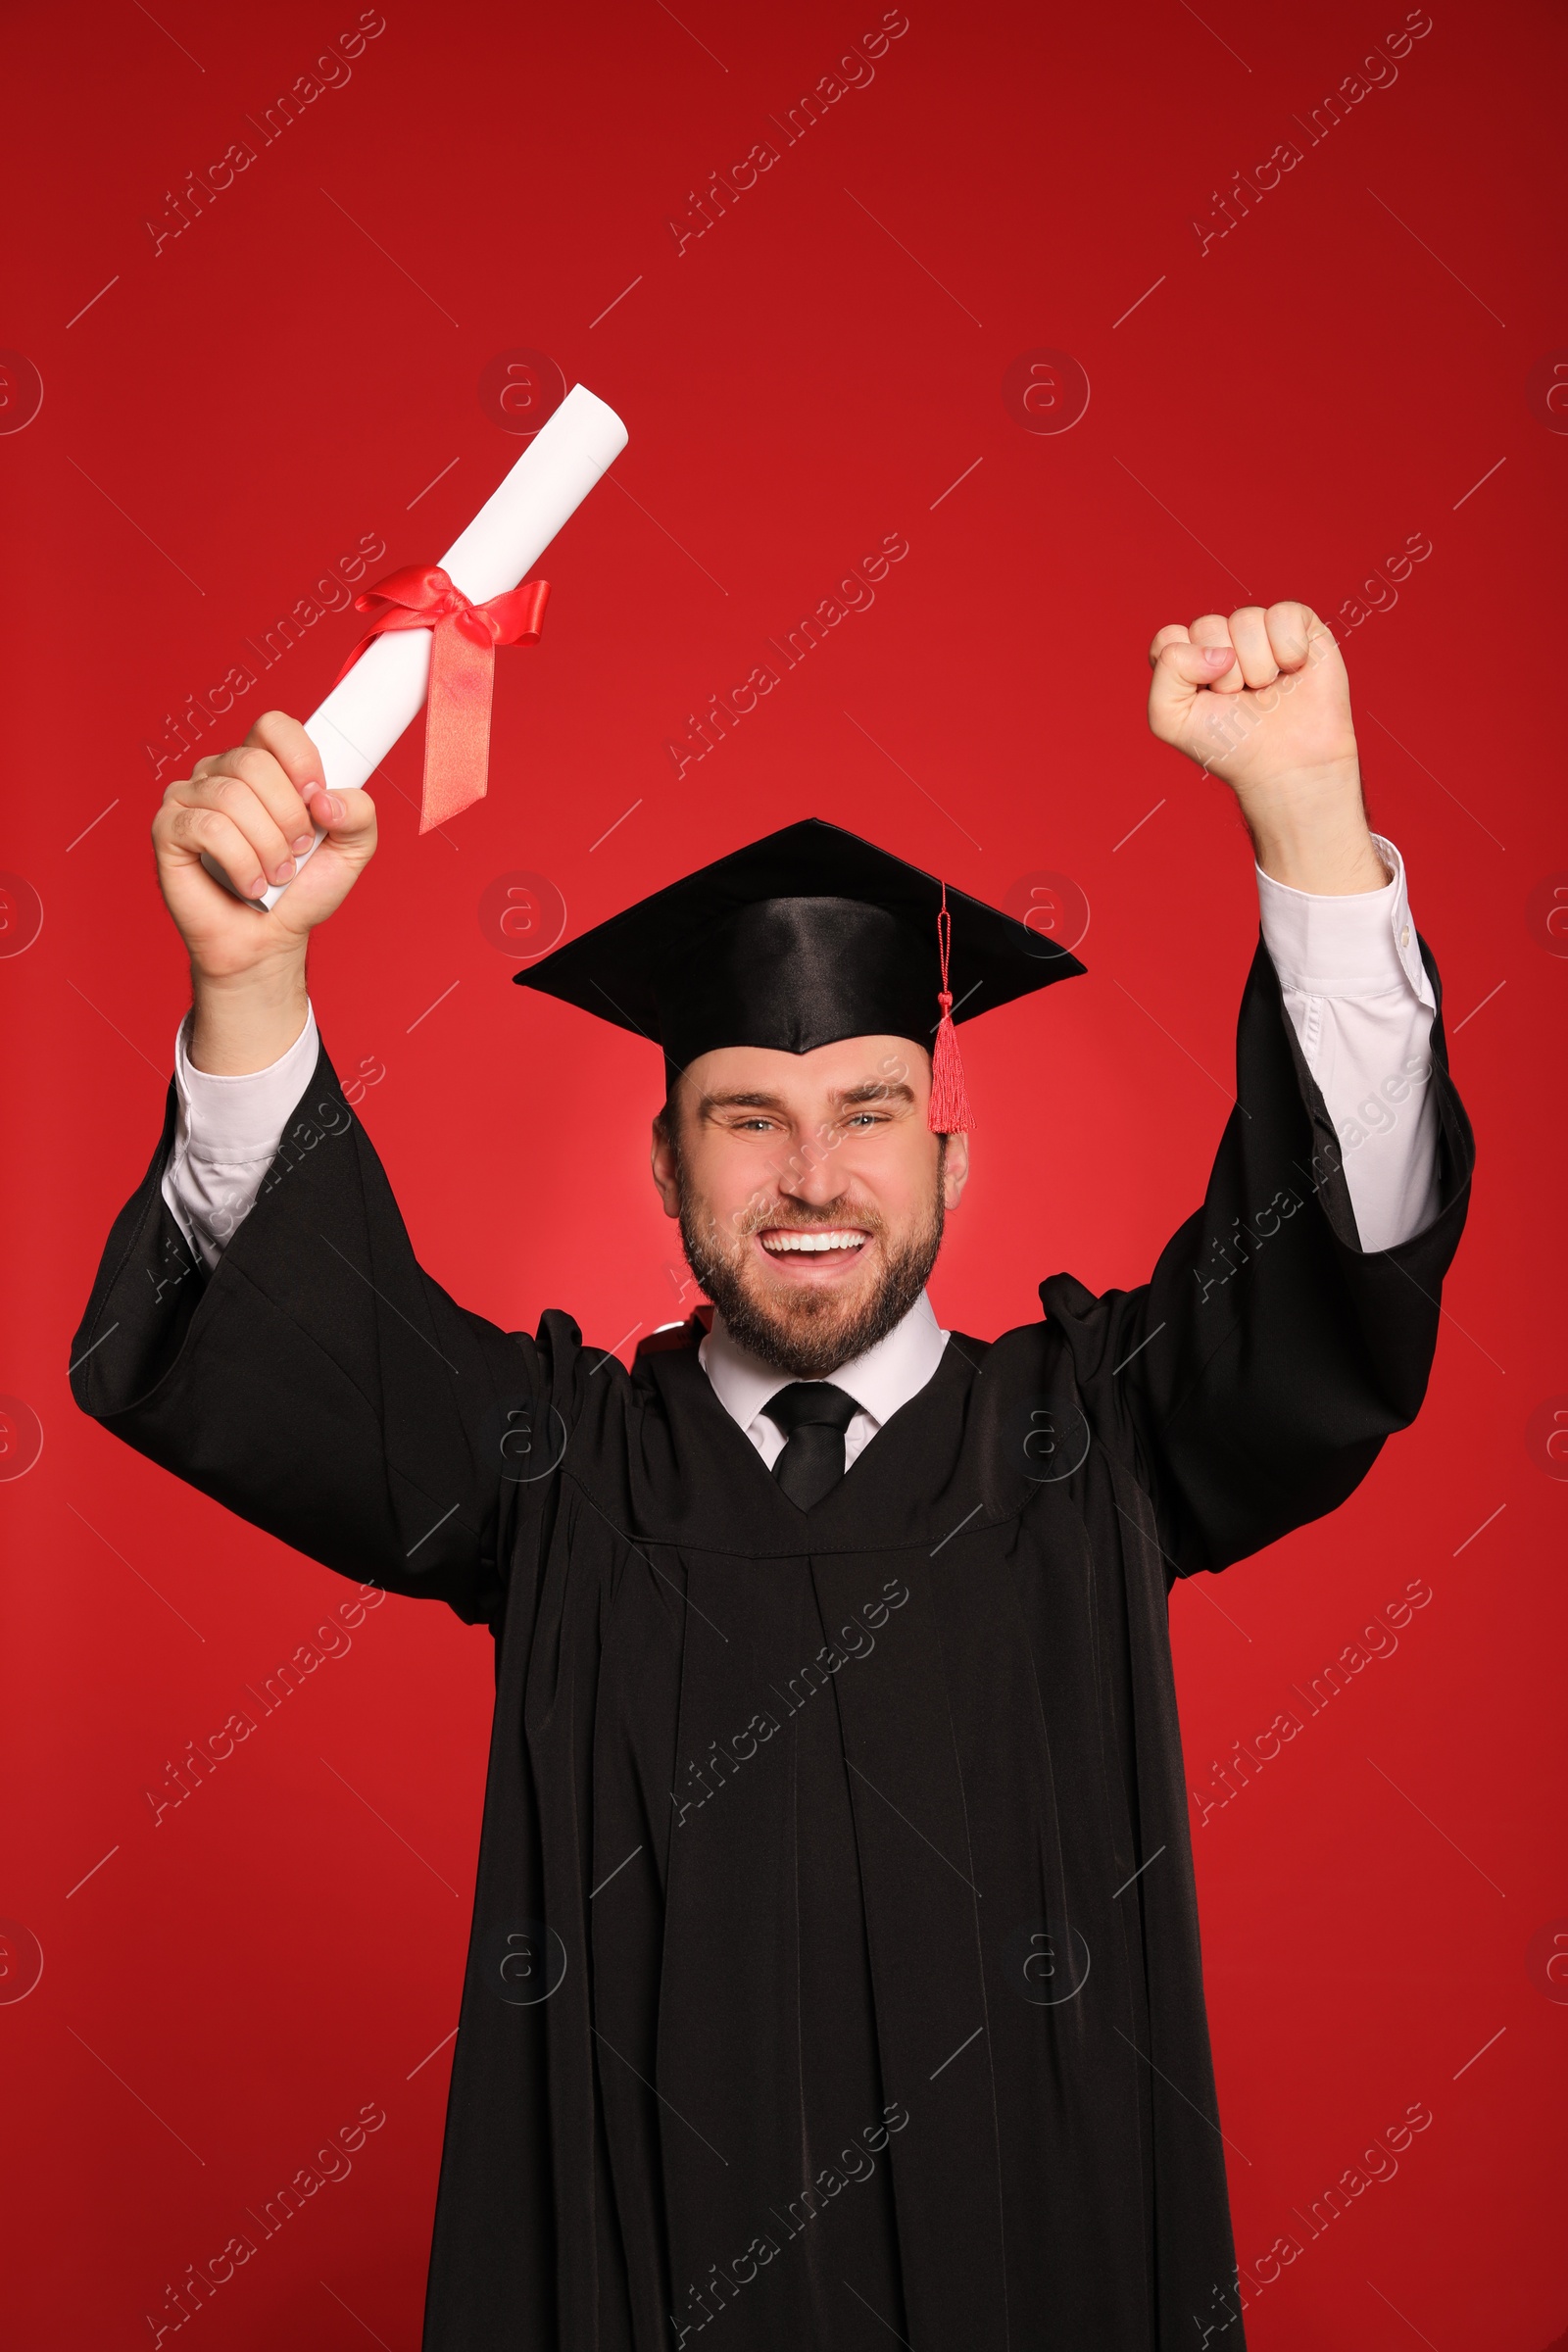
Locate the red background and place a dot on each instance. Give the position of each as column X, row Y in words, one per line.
column 222, row 1991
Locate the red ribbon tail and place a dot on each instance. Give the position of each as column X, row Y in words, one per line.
column 457, row 727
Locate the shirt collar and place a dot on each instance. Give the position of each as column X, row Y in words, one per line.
column 880, row 1381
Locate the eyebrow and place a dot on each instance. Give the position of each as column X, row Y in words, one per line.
column 871, row 1090
column 874, row 1090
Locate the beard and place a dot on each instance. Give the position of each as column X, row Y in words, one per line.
column 810, row 1334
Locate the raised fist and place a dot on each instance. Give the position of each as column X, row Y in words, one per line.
column 1261, row 699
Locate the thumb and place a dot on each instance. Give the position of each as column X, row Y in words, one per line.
column 1181, row 672
column 347, row 818
column 326, row 875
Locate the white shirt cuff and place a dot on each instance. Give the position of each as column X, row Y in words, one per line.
column 227, row 1135
column 241, row 1118
column 1360, row 946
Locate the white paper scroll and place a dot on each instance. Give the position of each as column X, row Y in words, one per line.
column 384, row 692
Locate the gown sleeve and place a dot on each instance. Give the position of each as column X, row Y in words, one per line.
column 318, row 1383
column 1250, row 1383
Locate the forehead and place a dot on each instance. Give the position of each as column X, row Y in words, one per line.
column 808, row 1079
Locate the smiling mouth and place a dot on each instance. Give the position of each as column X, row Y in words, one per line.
column 818, row 1245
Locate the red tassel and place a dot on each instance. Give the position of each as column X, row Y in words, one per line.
column 949, row 1112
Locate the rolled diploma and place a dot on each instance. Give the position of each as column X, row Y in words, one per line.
column 362, row 717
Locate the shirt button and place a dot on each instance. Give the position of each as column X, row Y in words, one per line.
column 1405, row 936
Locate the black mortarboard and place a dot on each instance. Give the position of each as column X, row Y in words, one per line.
column 796, row 941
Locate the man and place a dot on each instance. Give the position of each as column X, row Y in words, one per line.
column 835, row 1968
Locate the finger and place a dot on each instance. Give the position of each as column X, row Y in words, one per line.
column 1212, row 628
column 272, row 786
column 244, row 805
column 1291, row 629
column 289, row 745
column 1171, row 634
column 1254, row 652
column 191, row 830
column 1181, row 672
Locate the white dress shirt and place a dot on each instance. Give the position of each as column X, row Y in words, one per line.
column 885, row 1377
column 1361, row 1001
column 1356, row 994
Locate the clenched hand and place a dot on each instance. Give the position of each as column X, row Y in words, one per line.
column 1261, row 699
column 254, row 811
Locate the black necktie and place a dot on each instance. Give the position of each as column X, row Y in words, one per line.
column 813, row 1416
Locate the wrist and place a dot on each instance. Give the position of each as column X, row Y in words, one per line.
column 1310, row 832
column 244, row 1021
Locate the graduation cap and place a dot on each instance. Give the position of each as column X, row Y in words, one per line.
column 796, row 941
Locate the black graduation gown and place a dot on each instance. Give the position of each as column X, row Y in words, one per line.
column 835, row 1964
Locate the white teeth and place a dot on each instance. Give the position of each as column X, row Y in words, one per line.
column 776, row 1242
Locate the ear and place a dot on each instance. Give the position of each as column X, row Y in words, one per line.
column 662, row 1159
column 954, row 1171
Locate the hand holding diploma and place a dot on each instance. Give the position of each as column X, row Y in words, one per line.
column 256, row 818
column 259, row 812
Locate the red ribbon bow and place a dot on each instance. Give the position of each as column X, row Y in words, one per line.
column 464, row 637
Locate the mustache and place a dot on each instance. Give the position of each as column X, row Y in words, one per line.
column 800, row 1216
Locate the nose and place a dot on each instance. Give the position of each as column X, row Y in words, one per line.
column 810, row 1176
